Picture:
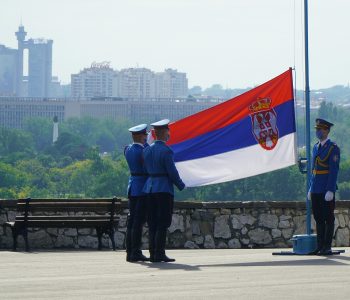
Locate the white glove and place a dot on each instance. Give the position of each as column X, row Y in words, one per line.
column 329, row 196
column 309, row 195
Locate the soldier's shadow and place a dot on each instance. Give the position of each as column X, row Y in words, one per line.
column 170, row 266
column 327, row 261
column 338, row 257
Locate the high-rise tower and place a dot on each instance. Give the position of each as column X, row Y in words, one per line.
column 39, row 67
column 21, row 35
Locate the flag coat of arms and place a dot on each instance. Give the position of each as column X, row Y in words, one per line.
column 250, row 134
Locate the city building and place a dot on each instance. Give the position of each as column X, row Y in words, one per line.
column 59, row 90
column 132, row 84
column 39, row 67
column 14, row 111
column 21, row 36
column 171, row 84
column 96, row 81
column 100, row 80
column 136, row 84
column 8, row 66
column 38, row 81
column 144, row 84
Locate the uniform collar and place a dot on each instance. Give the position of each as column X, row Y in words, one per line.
column 138, row 144
column 159, row 141
column 324, row 142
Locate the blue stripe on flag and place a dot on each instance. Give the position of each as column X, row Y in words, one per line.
column 233, row 137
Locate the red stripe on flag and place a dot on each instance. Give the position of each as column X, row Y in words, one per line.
column 279, row 90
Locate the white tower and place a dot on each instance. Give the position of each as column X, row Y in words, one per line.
column 55, row 129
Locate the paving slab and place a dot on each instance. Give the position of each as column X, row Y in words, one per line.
column 196, row 274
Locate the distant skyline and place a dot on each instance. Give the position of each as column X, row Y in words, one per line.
column 237, row 44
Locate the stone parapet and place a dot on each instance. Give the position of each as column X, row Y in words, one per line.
column 236, row 224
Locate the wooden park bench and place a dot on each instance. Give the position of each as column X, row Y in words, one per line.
column 62, row 213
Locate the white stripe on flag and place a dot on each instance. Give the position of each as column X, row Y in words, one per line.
column 238, row 164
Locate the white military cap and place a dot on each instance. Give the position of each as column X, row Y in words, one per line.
column 160, row 124
column 138, row 129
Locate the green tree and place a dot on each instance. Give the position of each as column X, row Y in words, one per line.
column 71, row 145
column 11, row 177
column 344, row 190
column 36, row 173
column 41, row 130
column 12, row 181
column 113, row 181
column 15, row 144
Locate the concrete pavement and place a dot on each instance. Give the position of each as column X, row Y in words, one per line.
column 196, row 274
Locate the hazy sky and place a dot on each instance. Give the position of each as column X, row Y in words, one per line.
column 236, row 43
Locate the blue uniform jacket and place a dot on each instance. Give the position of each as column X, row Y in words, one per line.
column 159, row 162
column 325, row 167
column 138, row 174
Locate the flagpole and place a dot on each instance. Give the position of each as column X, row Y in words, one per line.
column 305, row 243
column 307, row 112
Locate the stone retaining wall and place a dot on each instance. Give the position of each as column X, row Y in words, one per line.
column 197, row 225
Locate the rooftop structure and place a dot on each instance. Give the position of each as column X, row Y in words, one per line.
column 38, row 82
column 14, row 111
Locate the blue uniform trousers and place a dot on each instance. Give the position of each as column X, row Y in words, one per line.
column 323, row 212
column 137, row 211
column 136, row 219
column 160, row 210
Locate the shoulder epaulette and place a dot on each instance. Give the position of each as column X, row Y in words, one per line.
column 334, row 144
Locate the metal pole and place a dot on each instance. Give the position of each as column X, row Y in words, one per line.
column 307, row 112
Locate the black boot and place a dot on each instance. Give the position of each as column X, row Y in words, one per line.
column 151, row 244
column 320, row 229
column 159, row 255
column 128, row 244
column 327, row 248
column 136, row 253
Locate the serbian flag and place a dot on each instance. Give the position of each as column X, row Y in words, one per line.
column 248, row 135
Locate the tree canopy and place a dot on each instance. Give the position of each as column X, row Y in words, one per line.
column 87, row 161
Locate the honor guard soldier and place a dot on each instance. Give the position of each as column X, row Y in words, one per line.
column 137, row 198
column 325, row 167
column 160, row 166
